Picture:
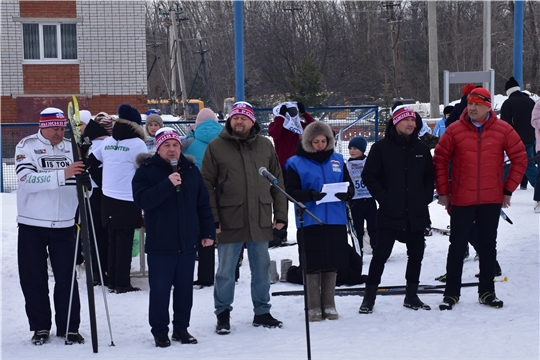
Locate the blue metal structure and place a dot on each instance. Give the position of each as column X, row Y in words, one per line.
column 518, row 41
column 239, row 48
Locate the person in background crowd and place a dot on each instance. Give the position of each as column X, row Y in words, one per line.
column 85, row 116
column 476, row 146
column 96, row 133
column 46, row 205
column 363, row 205
column 285, row 130
column 461, row 106
column 517, row 111
column 440, row 128
column 242, row 203
column 105, row 121
column 118, row 211
column 326, row 246
column 399, row 174
column 178, row 216
column 154, row 122
column 206, row 129
column 535, row 122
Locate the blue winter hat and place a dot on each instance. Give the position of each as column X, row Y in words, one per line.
column 358, row 142
column 128, row 112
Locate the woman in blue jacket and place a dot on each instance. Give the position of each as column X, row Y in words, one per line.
column 177, row 213
column 206, row 129
column 326, row 246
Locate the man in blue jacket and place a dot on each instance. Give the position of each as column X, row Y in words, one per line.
column 171, row 191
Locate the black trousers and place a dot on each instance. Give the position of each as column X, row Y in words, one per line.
column 206, row 264
column 102, row 237
column 385, row 243
column 166, row 271
column 120, row 248
column 365, row 209
column 35, row 244
column 461, row 221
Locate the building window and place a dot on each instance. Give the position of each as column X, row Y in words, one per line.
column 50, row 42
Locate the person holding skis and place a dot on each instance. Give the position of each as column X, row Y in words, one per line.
column 178, row 216
column 476, row 145
column 399, row 175
column 46, row 206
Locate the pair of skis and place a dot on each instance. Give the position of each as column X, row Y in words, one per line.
column 74, row 127
column 386, row 290
column 382, row 290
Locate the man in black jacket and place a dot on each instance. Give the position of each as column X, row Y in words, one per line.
column 517, row 110
column 171, row 191
column 399, row 174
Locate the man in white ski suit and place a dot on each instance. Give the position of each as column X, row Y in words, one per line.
column 46, row 206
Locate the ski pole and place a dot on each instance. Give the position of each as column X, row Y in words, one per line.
column 100, row 272
column 352, row 231
column 72, row 279
column 505, row 217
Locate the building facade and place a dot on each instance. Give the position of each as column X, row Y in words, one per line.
column 50, row 50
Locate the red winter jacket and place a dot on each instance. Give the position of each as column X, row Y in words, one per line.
column 285, row 141
column 477, row 161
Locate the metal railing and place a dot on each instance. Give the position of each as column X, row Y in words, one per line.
column 346, row 122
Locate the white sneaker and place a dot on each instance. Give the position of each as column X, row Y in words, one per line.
column 537, row 207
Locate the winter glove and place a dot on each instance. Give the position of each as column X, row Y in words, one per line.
column 301, row 108
column 292, row 111
column 342, row 196
column 315, row 195
column 85, row 146
column 283, row 110
column 84, row 179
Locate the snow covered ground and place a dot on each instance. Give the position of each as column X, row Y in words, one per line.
column 470, row 331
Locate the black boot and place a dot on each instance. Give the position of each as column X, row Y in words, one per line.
column 412, row 301
column 369, row 299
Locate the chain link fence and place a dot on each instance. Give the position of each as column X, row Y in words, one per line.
column 346, row 122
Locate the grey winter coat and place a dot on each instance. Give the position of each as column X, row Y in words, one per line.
column 243, row 201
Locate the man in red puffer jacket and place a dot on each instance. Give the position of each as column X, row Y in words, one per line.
column 476, row 144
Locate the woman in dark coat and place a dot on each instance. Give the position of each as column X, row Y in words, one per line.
column 326, row 246
column 177, row 213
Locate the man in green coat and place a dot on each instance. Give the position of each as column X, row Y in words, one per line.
column 246, row 208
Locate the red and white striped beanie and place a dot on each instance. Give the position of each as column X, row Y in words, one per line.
column 164, row 134
column 52, row 117
column 243, row 108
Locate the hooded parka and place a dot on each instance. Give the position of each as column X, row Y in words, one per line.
column 243, row 201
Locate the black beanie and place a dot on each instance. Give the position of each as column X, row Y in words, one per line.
column 510, row 83
column 128, row 112
column 447, row 109
column 358, row 142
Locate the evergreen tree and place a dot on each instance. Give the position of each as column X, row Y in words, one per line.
column 307, row 84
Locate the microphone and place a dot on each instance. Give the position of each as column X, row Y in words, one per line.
column 174, row 164
column 268, row 175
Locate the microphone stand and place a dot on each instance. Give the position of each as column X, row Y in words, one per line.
column 300, row 210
